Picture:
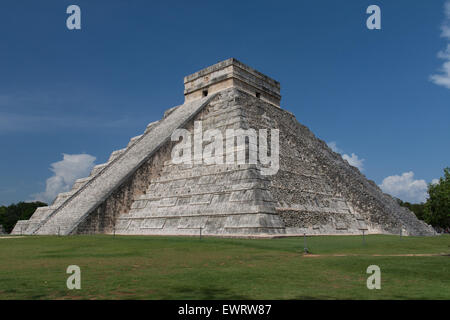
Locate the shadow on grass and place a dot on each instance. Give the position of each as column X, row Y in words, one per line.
column 313, row 298
column 207, row 293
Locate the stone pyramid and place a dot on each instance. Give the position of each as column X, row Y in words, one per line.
column 142, row 190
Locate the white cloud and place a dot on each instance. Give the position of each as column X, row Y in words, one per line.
column 66, row 171
column 334, row 147
column 435, row 181
column 446, row 24
column 445, row 54
column 443, row 78
column 405, row 187
column 353, row 160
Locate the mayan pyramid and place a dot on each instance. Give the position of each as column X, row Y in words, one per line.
column 140, row 190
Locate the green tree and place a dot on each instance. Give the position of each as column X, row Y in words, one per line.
column 437, row 207
column 20, row 211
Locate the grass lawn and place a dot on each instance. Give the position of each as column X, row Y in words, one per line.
column 139, row 267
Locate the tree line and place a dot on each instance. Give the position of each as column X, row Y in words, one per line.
column 436, row 210
column 21, row 211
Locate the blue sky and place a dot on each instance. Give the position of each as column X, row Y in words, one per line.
column 85, row 93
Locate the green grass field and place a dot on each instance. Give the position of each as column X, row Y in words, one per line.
column 138, row 267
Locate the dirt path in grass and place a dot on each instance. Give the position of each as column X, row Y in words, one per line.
column 13, row 237
column 378, row 255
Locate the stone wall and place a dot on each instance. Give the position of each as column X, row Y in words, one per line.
column 316, row 188
column 226, row 200
column 103, row 218
column 315, row 191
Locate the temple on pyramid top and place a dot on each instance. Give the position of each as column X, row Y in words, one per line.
column 231, row 73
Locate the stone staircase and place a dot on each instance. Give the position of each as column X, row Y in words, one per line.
column 219, row 199
column 70, row 208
